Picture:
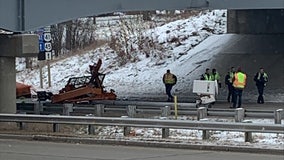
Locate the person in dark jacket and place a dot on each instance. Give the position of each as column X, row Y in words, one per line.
column 206, row 76
column 229, row 83
column 215, row 76
column 169, row 80
column 260, row 78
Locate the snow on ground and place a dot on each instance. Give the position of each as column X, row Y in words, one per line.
column 260, row 140
column 145, row 76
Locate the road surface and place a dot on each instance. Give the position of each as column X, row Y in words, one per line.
column 33, row 150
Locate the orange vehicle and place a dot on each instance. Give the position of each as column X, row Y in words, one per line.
column 23, row 90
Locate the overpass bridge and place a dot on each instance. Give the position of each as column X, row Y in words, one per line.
column 25, row 15
column 19, row 16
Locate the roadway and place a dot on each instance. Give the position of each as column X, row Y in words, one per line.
column 34, row 150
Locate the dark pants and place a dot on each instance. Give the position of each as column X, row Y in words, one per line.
column 168, row 91
column 237, row 96
column 230, row 92
column 260, row 94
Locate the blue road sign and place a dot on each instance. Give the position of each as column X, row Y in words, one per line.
column 41, row 46
column 41, row 37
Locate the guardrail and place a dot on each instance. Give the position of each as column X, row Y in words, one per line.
column 102, row 109
column 165, row 125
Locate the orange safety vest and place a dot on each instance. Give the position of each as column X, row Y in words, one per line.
column 240, row 80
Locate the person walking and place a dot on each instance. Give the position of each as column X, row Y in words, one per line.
column 239, row 83
column 169, row 80
column 229, row 83
column 260, row 79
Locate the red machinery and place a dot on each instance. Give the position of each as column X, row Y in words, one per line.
column 23, row 90
column 86, row 88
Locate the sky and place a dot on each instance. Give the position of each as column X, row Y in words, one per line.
column 144, row 78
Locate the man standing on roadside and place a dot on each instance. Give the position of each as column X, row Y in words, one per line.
column 229, row 83
column 260, row 79
column 239, row 83
column 206, row 76
column 169, row 80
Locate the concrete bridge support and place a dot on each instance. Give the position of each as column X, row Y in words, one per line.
column 13, row 46
column 261, row 21
column 7, row 85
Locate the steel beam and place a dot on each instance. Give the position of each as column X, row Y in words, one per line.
column 27, row 15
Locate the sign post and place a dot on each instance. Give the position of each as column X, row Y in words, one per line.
column 45, row 50
column 48, row 48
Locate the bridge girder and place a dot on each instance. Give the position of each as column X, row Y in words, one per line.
column 26, row 15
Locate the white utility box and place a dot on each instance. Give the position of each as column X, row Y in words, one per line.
column 205, row 87
column 206, row 90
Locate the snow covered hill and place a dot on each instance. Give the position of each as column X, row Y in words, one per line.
column 144, row 76
column 187, row 47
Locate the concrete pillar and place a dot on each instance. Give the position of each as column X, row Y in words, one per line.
column 12, row 46
column 7, row 85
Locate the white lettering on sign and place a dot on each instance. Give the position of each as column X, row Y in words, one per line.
column 47, row 46
column 47, row 37
column 48, row 55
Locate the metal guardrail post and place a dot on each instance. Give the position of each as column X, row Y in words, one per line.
column 126, row 130
column 38, row 108
column 205, row 133
column 21, row 125
column 55, row 127
column 67, row 108
column 239, row 114
column 166, row 112
column 100, row 109
column 248, row 135
column 91, row 129
column 131, row 111
column 201, row 113
column 278, row 116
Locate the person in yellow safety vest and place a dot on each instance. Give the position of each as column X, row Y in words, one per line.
column 215, row 76
column 239, row 83
column 206, row 76
column 169, row 80
column 260, row 78
column 229, row 83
